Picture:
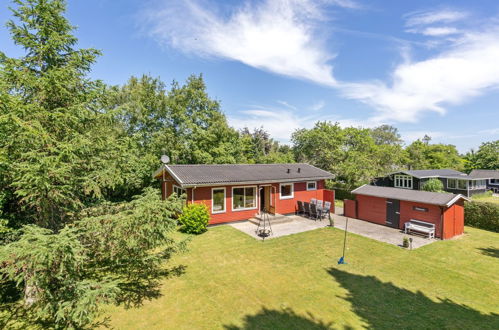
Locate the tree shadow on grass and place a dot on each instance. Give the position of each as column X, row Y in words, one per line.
column 145, row 286
column 491, row 252
column 279, row 319
column 386, row 306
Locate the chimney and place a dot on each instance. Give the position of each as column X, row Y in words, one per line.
column 288, row 170
column 299, row 169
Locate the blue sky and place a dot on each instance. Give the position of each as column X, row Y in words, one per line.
column 426, row 67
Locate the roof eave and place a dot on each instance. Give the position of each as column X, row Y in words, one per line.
column 236, row 183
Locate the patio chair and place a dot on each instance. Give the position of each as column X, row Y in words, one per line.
column 314, row 213
column 313, row 201
column 326, row 210
column 301, row 208
column 306, row 208
column 319, row 204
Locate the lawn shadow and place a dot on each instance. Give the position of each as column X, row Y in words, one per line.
column 279, row 319
column 491, row 252
column 146, row 286
column 385, row 306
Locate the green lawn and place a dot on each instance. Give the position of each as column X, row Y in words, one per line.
column 232, row 281
column 490, row 199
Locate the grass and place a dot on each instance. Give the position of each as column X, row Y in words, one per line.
column 490, row 199
column 232, row 281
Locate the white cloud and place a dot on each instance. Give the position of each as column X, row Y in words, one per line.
column 280, row 36
column 318, row 105
column 281, row 123
column 435, row 16
column 346, row 4
column 439, row 31
column 468, row 68
column 286, row 104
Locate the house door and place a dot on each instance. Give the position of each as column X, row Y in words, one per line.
column 392, row 212
column 266, row 201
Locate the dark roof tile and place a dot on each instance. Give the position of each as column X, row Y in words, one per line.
column 190, row 175
column 419, row 196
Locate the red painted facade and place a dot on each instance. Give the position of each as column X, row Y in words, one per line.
column 449, row 221
column 350, row 208
column 282, row 206
column 372, row 209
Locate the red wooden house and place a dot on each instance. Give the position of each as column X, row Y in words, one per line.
column 235, row 192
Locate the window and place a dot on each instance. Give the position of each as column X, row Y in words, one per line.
column 403, row 181
column 422, row 209
column 494, row 181
column 286, row 191
column 179, row 191
column 312, row 185
column 477, row 184
column 458, row 184
column 243, row 198
column 218, row 200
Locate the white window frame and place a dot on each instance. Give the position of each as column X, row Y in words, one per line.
column 244, row 199
column 183, row 191
column 315, row 185
column 292, row 190
column 457, row 184
column 225, row 200
column 399, row 181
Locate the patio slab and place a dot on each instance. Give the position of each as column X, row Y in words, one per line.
column 297, row 225
column 379, row 232
column 367, row 229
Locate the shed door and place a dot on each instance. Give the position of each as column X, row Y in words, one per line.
column 392, row 212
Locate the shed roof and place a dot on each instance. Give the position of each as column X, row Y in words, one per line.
column 205, row 175
column 426, row 197
column 489, row 174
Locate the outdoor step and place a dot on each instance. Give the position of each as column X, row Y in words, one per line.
column 274, row 219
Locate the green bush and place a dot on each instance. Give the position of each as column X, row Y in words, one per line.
column 194, row 218
column 341, row 194
column 405, row 242
column 433, row 185
column 482, row 215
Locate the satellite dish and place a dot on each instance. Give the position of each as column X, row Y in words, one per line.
column 165, row 159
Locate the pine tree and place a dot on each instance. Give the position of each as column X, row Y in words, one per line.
column 57, row 152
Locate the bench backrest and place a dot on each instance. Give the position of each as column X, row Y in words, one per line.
column 422, row 223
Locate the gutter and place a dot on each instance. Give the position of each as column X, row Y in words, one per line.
column 216, row 184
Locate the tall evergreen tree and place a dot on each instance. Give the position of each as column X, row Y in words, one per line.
column 57, row 153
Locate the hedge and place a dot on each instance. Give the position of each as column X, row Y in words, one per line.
column 341, row 194
column 482, row 215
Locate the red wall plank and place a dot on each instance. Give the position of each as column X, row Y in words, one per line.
column 432, row 216
column 350, row 208
column 371, row 209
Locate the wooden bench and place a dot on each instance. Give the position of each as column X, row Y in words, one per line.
column 420, row 226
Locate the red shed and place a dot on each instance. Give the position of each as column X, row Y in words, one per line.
column 395, row 206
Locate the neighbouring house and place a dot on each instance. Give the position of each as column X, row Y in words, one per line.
column 235, row 192
column 492, row 181
column 394, row 207
column 453, row 181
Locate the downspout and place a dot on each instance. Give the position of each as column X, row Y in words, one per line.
column 192, row 195
column 163, row 185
